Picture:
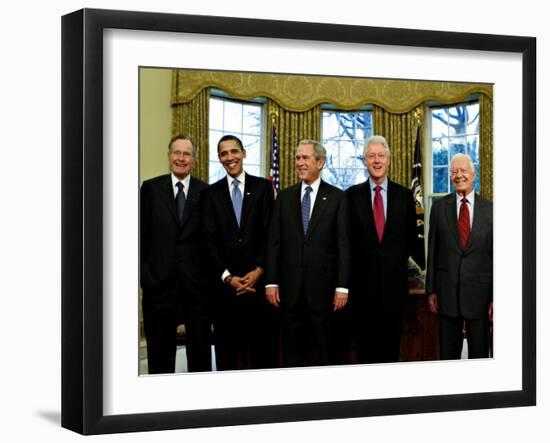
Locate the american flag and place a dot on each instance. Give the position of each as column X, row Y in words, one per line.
column 274, row 169
column 417, row 192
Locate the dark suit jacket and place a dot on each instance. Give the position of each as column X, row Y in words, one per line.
column 463, row 280
column 168, row 247
column 314, row 264
column 238, row 249
column 379, row 269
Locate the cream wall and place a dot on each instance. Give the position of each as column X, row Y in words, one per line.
column 155, row 124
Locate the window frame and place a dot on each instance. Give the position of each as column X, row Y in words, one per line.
column 218, row 94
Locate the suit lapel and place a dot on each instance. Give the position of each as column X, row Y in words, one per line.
column 296, row 199
column 167, row 195
column 248, row 198
column 391, row 210
column 191, row 200
column 479, row 216
column 321, row 202
column 452, row 220
column 225, row 201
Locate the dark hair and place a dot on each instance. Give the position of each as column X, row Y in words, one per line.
column 182, row 137
column 234, row 138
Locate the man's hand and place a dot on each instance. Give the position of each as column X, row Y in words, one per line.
column 272, row 295
column 249, row 280
column 432, row 303
column 491, row 311
column 239, row 285
column 340, row 300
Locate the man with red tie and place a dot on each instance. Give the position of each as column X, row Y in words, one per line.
column 383, row 237
column 459, row 277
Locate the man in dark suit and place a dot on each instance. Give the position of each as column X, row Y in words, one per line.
column 308, row 259
column 459, row 277
column 236, row 215
column 383, row 237
column 170, row 271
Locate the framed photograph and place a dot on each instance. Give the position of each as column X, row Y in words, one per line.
column 103, row 52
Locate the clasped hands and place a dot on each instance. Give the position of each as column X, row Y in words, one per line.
column 245, row 284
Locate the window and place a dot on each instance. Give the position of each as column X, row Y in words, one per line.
column 344, row 135
column 242, row 119
column 454, row 129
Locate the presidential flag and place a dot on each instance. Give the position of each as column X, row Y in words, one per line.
column 419, row 200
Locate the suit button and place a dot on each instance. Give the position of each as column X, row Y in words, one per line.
column 239, row 240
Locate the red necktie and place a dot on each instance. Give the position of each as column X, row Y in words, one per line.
column 378, row 208
column 464, row 222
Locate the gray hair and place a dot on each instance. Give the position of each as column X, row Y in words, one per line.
column 183, row 137
column 377, row 139
column 467, row 157
column 318, row 149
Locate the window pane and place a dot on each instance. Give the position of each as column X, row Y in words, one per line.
column 215, row 171
column 472, row 148
column 440, row 180
column 462, row 123
column 251, row 120
column 233, row 115
column 440, row 151
column 253, row 169
column 439, row 124
column 243, row 120
column 344, row 134
column 457, row 145
column 458, row 120
column 252, row 146
column 473, row 119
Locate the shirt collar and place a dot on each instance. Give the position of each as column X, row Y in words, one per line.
column 384, row 185
column 469, row 197
column 315, row 185
column 185, row 181
column 241, row 178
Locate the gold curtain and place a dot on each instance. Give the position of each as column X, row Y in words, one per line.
column 291, row 127
column 301, row 93
column 400, row 132
column 486, row 146
column 191, row 118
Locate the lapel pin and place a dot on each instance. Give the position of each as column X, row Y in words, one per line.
column 324, row 198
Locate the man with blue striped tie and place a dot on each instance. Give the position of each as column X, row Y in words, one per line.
column 308, row 260
column 236, row 216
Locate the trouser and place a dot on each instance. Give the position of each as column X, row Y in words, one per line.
column 451, row 337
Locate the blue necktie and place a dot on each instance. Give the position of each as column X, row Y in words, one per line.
column 237, row 198
column 306, row 206
column 180, row 200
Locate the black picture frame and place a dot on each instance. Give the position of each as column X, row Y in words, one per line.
column 82, row 218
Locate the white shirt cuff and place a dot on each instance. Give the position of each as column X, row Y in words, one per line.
column 225, row 274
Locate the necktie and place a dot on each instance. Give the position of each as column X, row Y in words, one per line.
column 378, row 209
column 180, row 200
column 237, row 199
column 306, row 206
column 464, row 222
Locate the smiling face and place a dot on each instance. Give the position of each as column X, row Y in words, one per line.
column 462, row 175
column 231, row 157
column 377, row 162
column 308, row 167
column 180, row 158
